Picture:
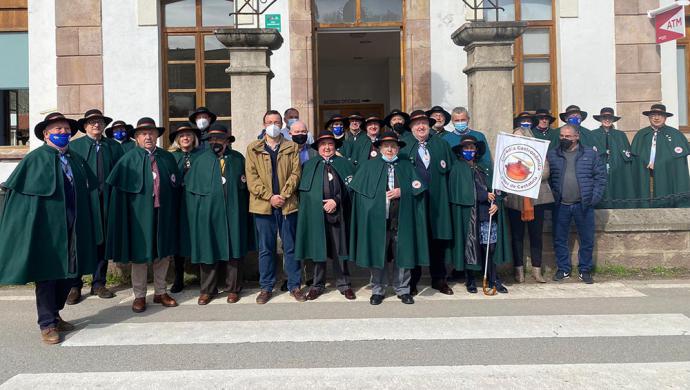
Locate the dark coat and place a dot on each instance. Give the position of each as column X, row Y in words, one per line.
column 591, row 175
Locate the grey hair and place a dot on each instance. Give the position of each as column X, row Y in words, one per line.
column 461, row 110
column 299, row 122
column 576, row 129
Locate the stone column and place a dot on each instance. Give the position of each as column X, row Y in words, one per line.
column 250, row 73
column 489, row 74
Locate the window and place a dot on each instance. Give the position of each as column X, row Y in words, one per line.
column 334, row 13
column 195, row 61
column 534, row 53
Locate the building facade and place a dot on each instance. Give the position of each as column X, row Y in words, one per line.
column 159, row 58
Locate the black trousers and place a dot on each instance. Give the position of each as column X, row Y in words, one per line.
column 437, row 264
column 99, row 275
column 51, row 296
column 491, row 275
column 535, row 229
column 210, row 273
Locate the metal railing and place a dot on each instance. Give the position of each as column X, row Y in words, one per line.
column 483, row 5
column 253, row 8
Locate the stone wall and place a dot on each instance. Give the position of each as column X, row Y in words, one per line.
column 417, row 93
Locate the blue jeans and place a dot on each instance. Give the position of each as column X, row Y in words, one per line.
column 584, row 222
column 268, row 226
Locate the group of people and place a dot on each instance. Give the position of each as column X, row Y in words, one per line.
column 389, row 194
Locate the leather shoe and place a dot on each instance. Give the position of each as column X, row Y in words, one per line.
column 349, row 294
column 64, row 326
column 74, row 296
column 443, row 289
column 471, row 287
column 165, row 300
column 414, row 291
column 204, row 299
column 297, row 294
column 263, row 297
column 501, row 288
column 139, row 305
column 313, row 293
column 102, row 292
column 50, row 335
column 406, row 299
column 177, row 286
column 376, row 299
column 233, row 297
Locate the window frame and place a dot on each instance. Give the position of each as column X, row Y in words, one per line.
column 685, row 43
column 358, row 18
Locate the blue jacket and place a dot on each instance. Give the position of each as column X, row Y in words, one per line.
column 591, row 175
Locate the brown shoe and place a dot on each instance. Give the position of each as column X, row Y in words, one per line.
column 74, row 296
column 204, row 299
column 64, row 326
column 313, row 293
column 349, row 294
column 139, row 305
column 444, row 288
column 165, row 300
column 103, row 292
column 233, row 297
column 263, row 297
column 297, row 294
column 50, row 335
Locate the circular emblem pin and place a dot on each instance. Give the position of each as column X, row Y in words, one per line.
column 678, row 150
column 173, row 178
column 594, row 148
column 627, row 153
column 416, row 184
column 348, row 179
column 223, row 179
column 443, row 164
column 373, row 153
column 155, row 175
column 243, row 179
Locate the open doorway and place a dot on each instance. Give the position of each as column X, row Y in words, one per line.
column 358, row 71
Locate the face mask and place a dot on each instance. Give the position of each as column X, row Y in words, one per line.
column 299, row 139
column 566, row 143
column 273, row 131
column 573, row 120
column 202, row 123
column 216, row 148
column 389, row 160
column 60, row 140
column 337, row 131
column 399, row 128
column 526, row 125
column 468, row 155
column 460, row 126
column 291, row 121
column 120, row 135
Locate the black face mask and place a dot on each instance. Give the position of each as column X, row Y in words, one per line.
column 566, row 144
column 299, row 139
column 217, row 148
column 399, row 128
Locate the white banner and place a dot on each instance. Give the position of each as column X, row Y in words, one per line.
column 519, row 164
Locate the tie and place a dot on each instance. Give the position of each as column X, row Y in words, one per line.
column 424, row 154
column 156, row 181
column 66, row 169
column 187, row 163
column 221, row 161
column 391, row 185
column 99, row 167
column 652, row 152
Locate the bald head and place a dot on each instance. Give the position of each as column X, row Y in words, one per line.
column 298, row 127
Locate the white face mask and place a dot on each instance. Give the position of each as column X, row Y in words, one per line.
column 273, row 131
column 202, row 123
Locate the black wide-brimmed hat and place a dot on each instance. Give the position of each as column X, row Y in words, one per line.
column 389, row 135
column 93, row 113
column 521, row 116
column 355, row 116
column 374, row 119
column 116, row 124
column 146, row 123
column 219, row 130
column 324, row 135
column 440, row 109
column 182, row 128
column 544, row 113
column 52, row 118
column 470, row 140
column 572, row 109
column 606, row 112
column 394, row 112
column 657, row 109
column 421, row 115
column 336, row 118
column 202, row 110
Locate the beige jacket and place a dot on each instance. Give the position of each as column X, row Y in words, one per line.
column 545, row 196
column 259, row 176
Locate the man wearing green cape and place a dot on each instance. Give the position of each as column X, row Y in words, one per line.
column 51, row 223
column 143, row 213
column 323, row 220
column 388, row 231
column 542, row 127
column 573, row 115
column 661, row 168
column 472, row 204
column 217, row 200
column 363, row 148
column 119, row 131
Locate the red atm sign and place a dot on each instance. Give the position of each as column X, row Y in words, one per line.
column 670, row 24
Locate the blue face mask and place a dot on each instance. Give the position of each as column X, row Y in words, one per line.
column 573, row 120
column 60, row 140
column 337, row 131
column 460, row 126
column 526, row 125
column 389, row 160
column 291, row 121
column 120, row 135
column 468, row 155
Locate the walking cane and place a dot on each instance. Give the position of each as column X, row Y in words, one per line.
column 485, row 284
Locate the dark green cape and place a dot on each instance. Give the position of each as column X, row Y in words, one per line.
column 184, row 246
column 310, row 240
column 358, row 151
column 552, row 135
column 33, row 229
column 620, row 183
column 462, row 199
column 368, row 222
column 130, row 233
column 442, row 159
column 586, row 138
column 220, row 226
column 670, row 165
column 128, row 145
column 348, row 141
